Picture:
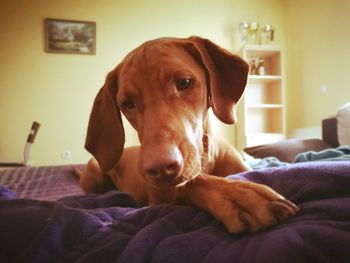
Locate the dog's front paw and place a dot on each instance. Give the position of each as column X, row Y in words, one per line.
column 241, row 206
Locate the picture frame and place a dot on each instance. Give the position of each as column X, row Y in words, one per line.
column 70, row 36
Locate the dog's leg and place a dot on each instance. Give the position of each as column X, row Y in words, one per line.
column 241, row 206
column 228, row 160
column 93, row 179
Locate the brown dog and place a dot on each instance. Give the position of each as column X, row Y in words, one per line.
column 165, row 88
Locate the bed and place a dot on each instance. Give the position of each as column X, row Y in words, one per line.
column 44, row 217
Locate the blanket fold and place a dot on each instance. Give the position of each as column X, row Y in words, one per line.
column 113, row 228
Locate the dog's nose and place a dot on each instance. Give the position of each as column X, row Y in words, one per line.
column 163, row 162
column 168, row 170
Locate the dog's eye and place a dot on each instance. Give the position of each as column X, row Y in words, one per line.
column 128, row 105
column 182, row 84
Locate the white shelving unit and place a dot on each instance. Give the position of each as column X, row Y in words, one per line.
column 261, row 112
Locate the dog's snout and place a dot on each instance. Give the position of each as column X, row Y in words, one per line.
column 164, row 162
column 170, row 170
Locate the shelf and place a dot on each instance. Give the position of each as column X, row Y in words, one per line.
column 263, row 94
column 254, row 79
column 264, row 119
column 262, row 110
column 265, row 106
column 271, row 56
column 266, row 134
column 262, row 50
column 254, row 139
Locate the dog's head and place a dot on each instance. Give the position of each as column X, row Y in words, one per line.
column 164, row 88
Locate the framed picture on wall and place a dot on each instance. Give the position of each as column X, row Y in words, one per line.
column 70, row 36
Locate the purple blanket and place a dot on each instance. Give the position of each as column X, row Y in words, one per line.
column 111, row 228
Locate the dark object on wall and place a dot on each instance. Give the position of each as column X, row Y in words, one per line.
column 26, row 153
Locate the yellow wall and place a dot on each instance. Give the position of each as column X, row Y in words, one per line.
column 58, row 89
column 318, row 53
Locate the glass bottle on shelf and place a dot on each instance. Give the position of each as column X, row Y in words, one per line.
column 253, row 70
column 261, row 67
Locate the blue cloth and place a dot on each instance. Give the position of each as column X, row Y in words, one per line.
column 333, row 154
column 267, row 162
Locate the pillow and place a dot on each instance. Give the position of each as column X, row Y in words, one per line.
column 343, row 124
column 287, row 150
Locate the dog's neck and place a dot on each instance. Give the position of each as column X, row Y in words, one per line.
column 209, row 146
column 218, row 153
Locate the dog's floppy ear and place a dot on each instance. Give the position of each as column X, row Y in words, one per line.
column 227, row 78
column 105, row 135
